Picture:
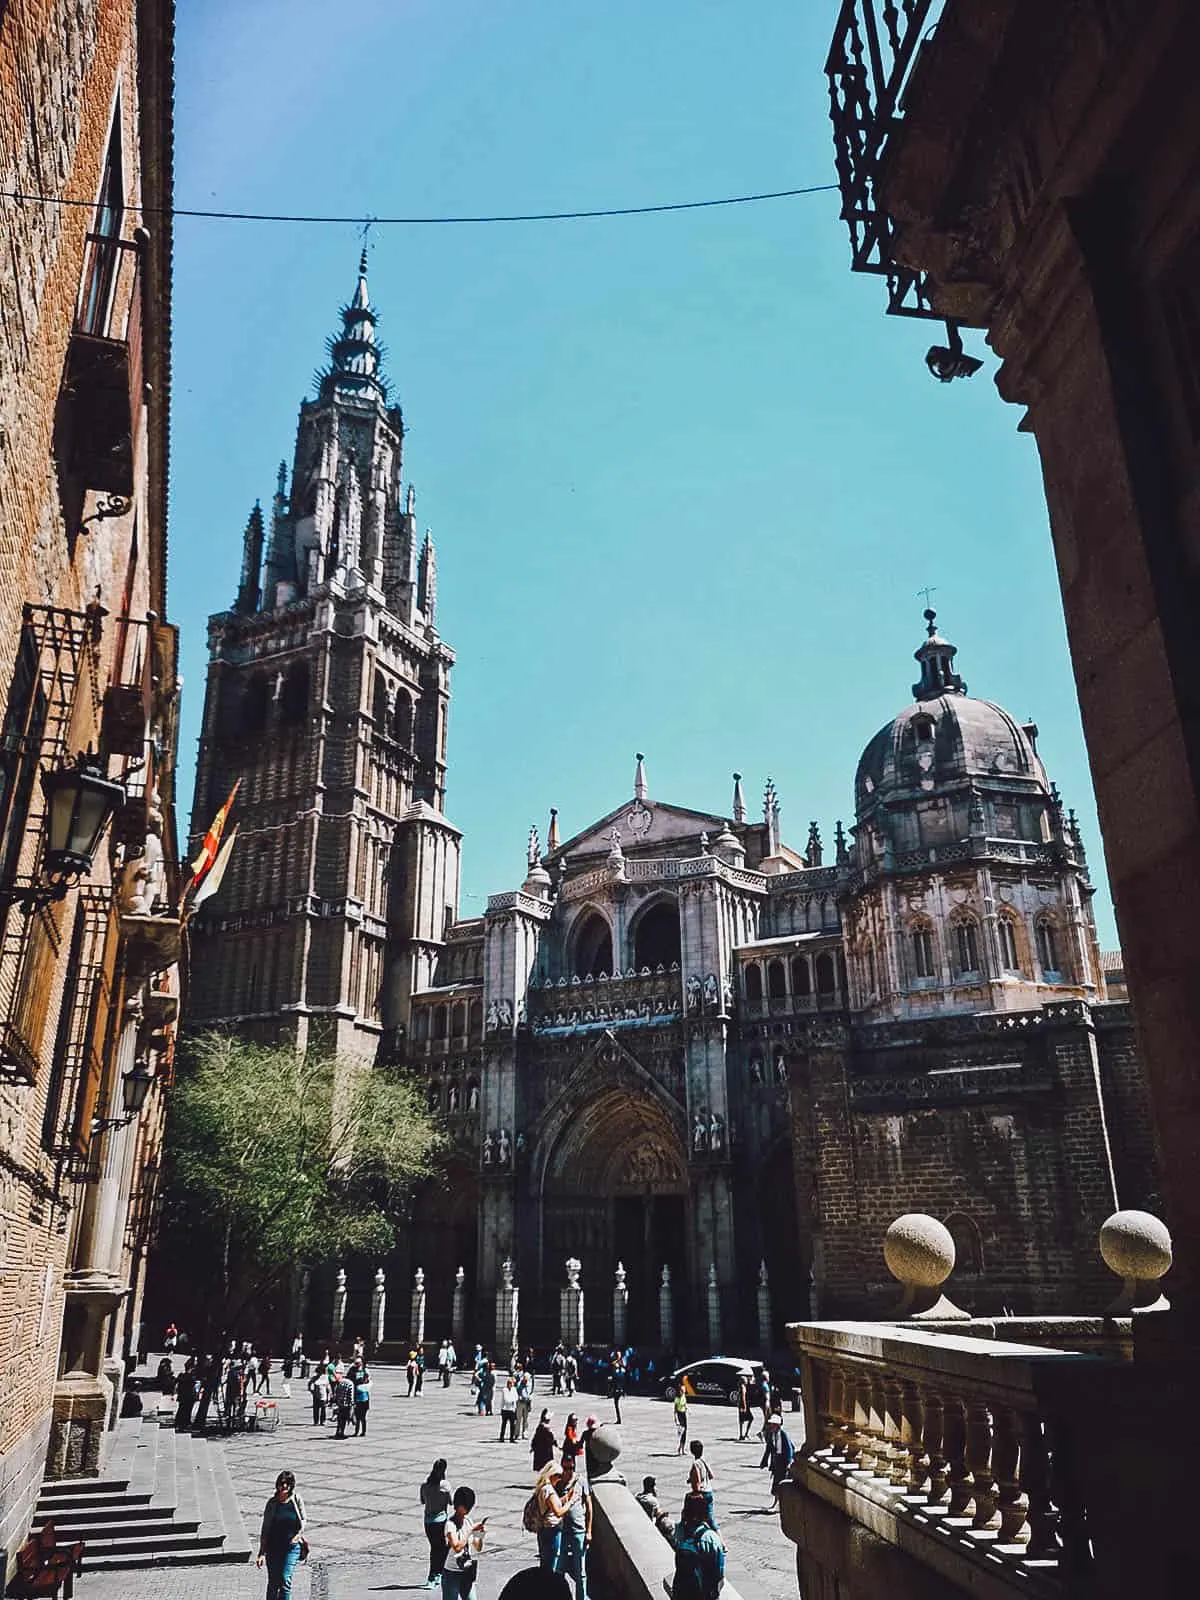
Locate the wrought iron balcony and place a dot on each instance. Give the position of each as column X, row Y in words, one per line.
column 102, row 384
column 871, row 60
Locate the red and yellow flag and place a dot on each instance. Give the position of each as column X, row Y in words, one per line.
column 203, row 863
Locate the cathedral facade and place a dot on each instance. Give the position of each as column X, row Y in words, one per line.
column 704, row 1068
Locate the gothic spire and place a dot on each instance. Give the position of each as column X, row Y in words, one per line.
column 771, row 816
column 739, row 799
column 936, row 660
column 552, row 833
column 640, row 789
column 355, row 354
column 427, row 579
column 252, row 554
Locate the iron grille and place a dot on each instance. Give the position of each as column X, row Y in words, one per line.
column 870, row 62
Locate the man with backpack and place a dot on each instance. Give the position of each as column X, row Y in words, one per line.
column 699, row 1554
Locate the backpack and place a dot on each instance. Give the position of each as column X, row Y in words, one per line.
column 532, row 1518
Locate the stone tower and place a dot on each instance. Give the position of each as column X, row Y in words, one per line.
column 327, row 698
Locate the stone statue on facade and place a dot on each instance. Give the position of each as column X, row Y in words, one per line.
column 489, row 1150
column 493, row 1016
column 146, row 872
column 453, row 1097
column 473, row 1098
column 712, row 994
column 716, row 1134
column 505, row 1013
column 693, row 993
column 503, row 1147
column 699, row 1132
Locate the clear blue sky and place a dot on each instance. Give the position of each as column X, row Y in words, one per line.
column 684, row 475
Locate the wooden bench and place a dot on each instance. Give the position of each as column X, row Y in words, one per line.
column 44, row 1569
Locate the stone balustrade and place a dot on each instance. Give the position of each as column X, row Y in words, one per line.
column 625, row 997
column 954, row 1449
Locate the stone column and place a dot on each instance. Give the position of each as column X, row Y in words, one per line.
column 339, row 1306
column 458, row 1310
column 378, row 1309
column 507, row 1310
column 764, row 1310
column 714, row 1307
column 417, row 1322
column 666, row 1311
column 571, row 1306
column 620, row 1307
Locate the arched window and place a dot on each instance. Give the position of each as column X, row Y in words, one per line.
column 593, row 946
column 826, row 975
column 752, row 979
column 402, row 721
column 379, row 703
column 476, row 1016
column 656, row 937
column 439, row 1023
column 1008, row 945
column 293, row 702
column 255, row 700
column 458, row 1021
column 801, row 976
column 966, row 947
column 420, row 1025
column 922, row 950
column 776, row 980
column 968, row 1247
column 1047, row 943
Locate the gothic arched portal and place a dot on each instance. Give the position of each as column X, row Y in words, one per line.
column 656, row 939
column 614, row 1187
column 592, row 946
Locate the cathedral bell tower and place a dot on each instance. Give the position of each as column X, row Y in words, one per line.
column 327, row 699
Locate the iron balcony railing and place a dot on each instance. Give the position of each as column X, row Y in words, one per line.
column 874, row 50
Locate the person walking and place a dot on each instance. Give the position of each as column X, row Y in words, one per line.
column 343, row 1403
column 616, row 1387
column 235, row 1400
column 524, row 1400
column 487, row 1387
column 435, row 1500
column 558, row 1362
column 318, row 1387
column 552, row 1507
column 745, row 1414
column 571, row 1444
column 571, row 1371
column 359, row 1353
column 766, row 1400
column 362, row 1400
column 280, row 1540
column 411, row 1372
column 210, row 1382
column 185, row 1395
column 681, row 1420
column 264, row 1374
column 508, row 1410
column 451, row 1362
column 701, row 1478
column 464, row 1546
column 699, row 1554
column 779, row 1454
column 574, row 1491
column 420, row 1371
column 443, row 1363
column 543, row 1444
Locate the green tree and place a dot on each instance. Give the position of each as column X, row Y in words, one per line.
column 278, row 1160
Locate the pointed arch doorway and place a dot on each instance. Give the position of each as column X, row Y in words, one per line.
column 615, row 1188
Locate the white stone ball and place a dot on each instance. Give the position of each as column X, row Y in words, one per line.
column 1135, row 1245
column 919, row 1250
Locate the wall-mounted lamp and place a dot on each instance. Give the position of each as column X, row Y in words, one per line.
column 80, row 801
column 135, row 1086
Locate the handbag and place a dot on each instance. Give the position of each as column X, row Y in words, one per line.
column 303, row 1548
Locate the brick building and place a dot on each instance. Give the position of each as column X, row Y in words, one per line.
column 88, row 944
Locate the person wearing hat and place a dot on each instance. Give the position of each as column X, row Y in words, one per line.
column 779, row 1454
column 543, row 1444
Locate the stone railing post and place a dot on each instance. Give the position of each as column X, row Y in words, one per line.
column 507, row 1311
column 417, row 1320
column 764, row 1310
column 458, row 1310
column 1012, row 1503
column 620, row 1307
column 934, row 1446
column 958, row 1476
column 713, row 1302
column 571, row 1307
column 979, row 1459
column 339, row 1305
column 378, row 1308
column 666, row 1311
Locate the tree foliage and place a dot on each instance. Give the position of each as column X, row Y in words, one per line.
column 278, row 1159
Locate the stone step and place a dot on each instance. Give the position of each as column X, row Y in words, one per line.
column 86, row 1513
column 51, row 1506
column 129, row 1535
column 121, row 1561
column 188, row 1541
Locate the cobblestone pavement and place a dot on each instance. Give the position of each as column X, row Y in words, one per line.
column 365, row 1517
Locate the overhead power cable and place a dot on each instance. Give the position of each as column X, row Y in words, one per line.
column 378, row 222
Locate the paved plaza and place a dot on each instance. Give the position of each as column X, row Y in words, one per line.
column 365, row 1517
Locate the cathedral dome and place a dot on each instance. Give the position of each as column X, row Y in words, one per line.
column 946, row 739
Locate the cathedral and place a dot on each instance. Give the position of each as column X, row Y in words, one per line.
column 683, row 1059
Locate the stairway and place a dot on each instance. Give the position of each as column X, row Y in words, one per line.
column 166, row 1499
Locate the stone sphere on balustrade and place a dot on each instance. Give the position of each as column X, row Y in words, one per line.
column 603, row 1448
column 919, row 1250
column 1135, row 1245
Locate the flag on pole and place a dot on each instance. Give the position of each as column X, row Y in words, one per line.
column 212, row 881
column 203, row 864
